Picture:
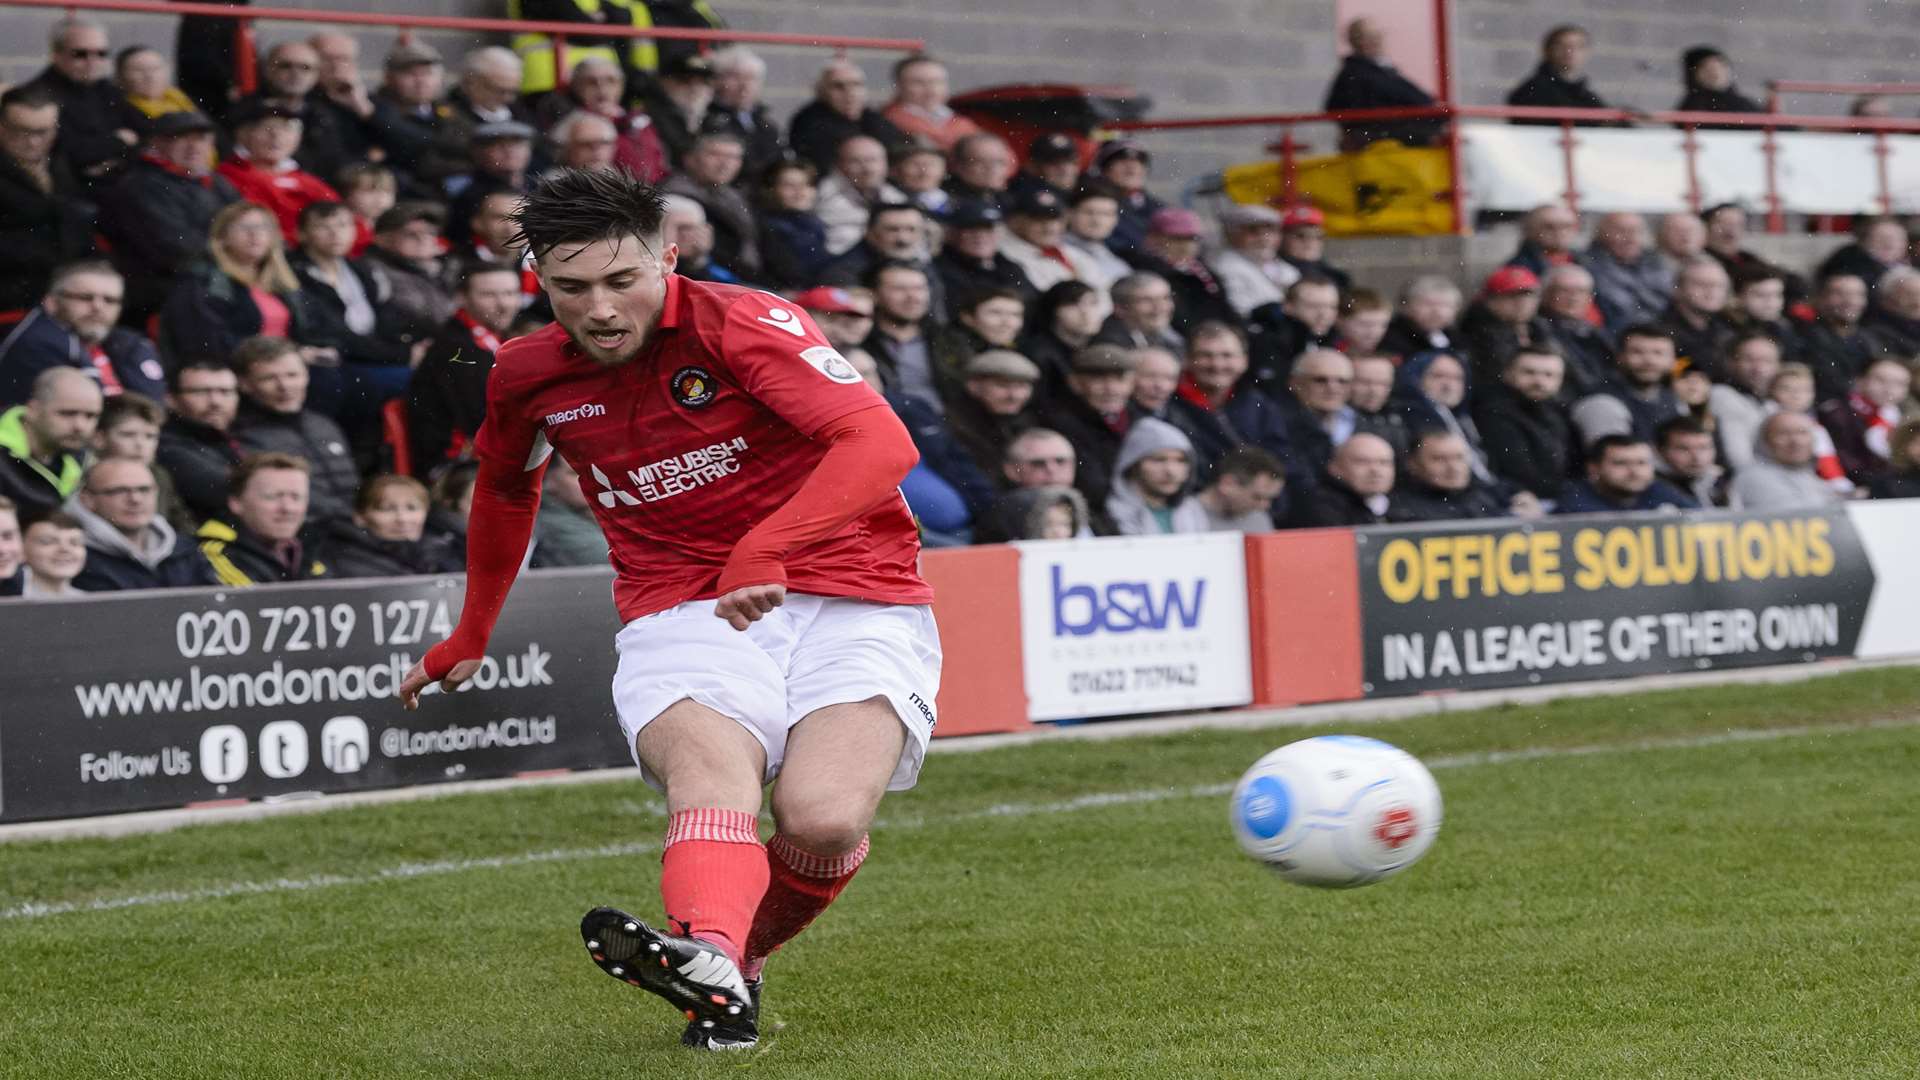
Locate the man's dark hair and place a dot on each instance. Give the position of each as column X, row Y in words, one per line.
column 120, row 407
column 1713, row 211
column 196, row 363
column 908, row 61
column 1538, row 348
column 404, row 214
column 1830, row 278
column 1753, row 273
column 1212, row 328
column 28, row 97
column 1558, row 32
column 1422, row 438
column 1093, row 188
column 1744, row 336
column 326, row 208
column 895, row 208
column 1670, row 427
column 1308, row 281
column 974, row 299
column 1646, row 330
column 1247, row 463
column 581, row 206
column 871, row 279
column 473, row 270
column 1597, row 451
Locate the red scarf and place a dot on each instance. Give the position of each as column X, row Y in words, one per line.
column 482, row 336
column 103, row 367
column 171, row 169
column 1879, row 423
column 1190, row 391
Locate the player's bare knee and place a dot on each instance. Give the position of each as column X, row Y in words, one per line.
column 824, row 828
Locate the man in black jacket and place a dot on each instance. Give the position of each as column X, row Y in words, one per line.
column 1560, row 82
column 739, row 76
column 1566, row 297
column 1524, row 430
column 94, row 140
column 1368, row 80
column 263, row 537
column 274, row 417
column 158, row 213
column 43, row 219
column 838, row 112
column 447, row 399
column 1832, row 343
column 1439, row 485
column 203, row 395
column 971, row 260
column 1696, row 318
column 1094, row 417
column 1357, row 489
column 129, row 544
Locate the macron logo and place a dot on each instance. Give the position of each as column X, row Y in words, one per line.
column 578, row 412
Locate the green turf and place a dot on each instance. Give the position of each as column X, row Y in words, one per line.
column 1743, row 909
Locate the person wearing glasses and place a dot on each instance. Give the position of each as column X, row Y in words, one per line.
column 44, row 221
column 290, row 83
column 129, row 544
column 77, row 325
column 94, row 138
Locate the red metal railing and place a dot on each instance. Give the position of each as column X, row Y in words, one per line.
column 245, row 17
column 1288, row 147
column 1778, row 87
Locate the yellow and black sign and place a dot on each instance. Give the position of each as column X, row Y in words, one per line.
column 1603, row 597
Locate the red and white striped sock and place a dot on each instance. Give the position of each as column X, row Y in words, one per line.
column 801, row 884
column 713, row 874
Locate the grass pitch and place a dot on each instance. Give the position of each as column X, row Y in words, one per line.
column 1705, row 883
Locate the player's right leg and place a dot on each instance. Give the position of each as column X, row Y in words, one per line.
column 703, row 707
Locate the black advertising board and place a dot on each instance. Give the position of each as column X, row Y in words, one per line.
column 138, row 701
column 1482, row 604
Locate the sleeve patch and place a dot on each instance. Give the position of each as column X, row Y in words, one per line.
column 828, row 361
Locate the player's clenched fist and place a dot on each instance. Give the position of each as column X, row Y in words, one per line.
column 745, row 606
column 417, row 680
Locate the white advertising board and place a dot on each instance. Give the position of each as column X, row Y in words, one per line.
column 1125, row 625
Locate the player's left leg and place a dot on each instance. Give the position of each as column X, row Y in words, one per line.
column 840, row 760
column 860, row 687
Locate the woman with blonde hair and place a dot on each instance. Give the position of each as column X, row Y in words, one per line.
column 245, row 288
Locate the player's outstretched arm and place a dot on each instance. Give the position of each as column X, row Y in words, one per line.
column 499, row 526
column 868, row 453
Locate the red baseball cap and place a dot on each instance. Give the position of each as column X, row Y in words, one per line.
column 830, row 300
column 1510, row 279
column 1299, row 217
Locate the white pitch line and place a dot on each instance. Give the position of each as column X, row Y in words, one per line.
column 439, row 868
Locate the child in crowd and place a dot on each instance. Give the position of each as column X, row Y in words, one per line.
column 54, row 549
column 369, row 190
column 130, row 428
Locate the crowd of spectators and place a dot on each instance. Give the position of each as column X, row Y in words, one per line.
column 250, row 336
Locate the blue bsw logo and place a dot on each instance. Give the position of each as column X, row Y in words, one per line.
column 1123, row 607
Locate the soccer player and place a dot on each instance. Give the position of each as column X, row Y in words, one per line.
column 776, row 629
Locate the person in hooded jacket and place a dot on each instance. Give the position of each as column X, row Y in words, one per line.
column 1152, row 479
column 129, row 545
column 387, row 535
column 1434, row 393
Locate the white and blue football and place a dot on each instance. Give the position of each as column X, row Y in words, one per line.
column 1336, row 811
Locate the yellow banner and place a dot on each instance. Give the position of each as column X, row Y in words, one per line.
column 1385, row 190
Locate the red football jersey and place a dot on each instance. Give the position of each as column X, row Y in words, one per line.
column 692, row 443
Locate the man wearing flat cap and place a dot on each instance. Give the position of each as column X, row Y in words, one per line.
column 1124, row 165
column 502, row 153
column 997, row 404
column 1248, row 263
column 409, row 99
column 157, row 214
column 1094, row 416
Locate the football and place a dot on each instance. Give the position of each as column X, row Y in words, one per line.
column 1336, row 811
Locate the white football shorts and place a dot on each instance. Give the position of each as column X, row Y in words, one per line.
column 811, row 652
